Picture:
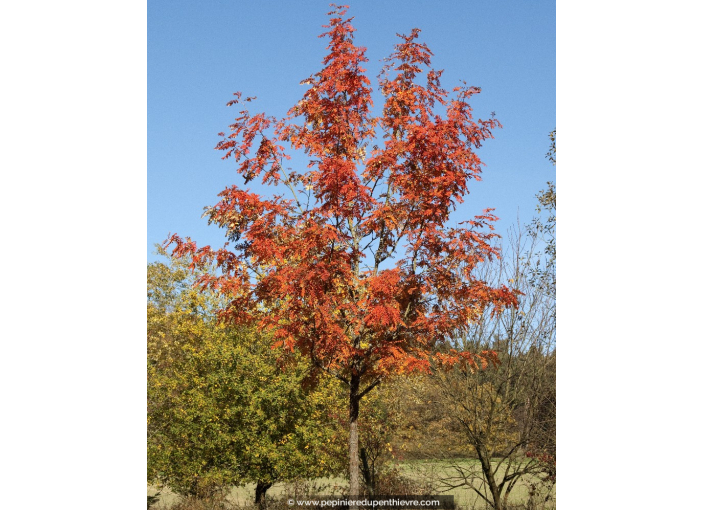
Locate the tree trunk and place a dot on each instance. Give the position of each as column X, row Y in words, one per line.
column 354, row 436
column 260, row 494
column 485, row 460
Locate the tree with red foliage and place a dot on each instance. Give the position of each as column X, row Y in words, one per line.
column 310, row 268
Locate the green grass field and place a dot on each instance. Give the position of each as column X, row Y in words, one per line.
column 465, row 496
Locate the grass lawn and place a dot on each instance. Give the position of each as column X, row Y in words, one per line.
column 417, row 469
column 465, row 496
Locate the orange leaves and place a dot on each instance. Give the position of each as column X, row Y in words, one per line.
column 383, row 318
column 429, row 159
column 384, row 314
column 246, row 131
column 309, row 268
column 335, row 123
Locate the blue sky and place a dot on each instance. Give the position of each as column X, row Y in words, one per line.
column 199, row 53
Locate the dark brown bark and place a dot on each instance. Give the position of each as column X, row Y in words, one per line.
column 354, row 435
column 260, row 494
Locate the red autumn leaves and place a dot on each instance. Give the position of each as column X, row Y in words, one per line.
column 357, row 267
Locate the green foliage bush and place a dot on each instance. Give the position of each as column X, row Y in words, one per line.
column 223, row 407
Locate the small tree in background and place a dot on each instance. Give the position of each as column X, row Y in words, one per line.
column 506, row 416
column 358, row 270
column 223, row 409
